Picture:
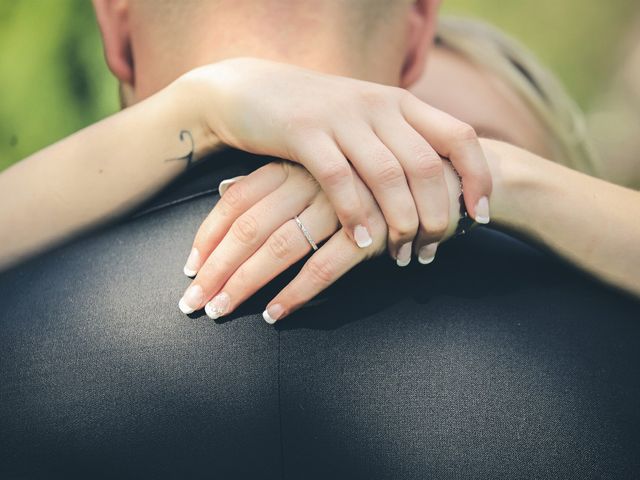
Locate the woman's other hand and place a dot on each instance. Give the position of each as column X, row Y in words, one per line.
column 253, row 237
column 330, row 124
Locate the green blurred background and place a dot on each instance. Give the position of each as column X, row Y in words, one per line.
column 53, row 80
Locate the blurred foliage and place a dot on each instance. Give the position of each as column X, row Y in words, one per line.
column 53, row 79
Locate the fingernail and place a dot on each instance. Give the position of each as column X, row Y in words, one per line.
column 218, row 306
column 482, row 211
column 193, row 263
column 191, row 299
column 404, row 255
column 427, row 254
column 272, row 313
column 361, row 234
column 226, row 183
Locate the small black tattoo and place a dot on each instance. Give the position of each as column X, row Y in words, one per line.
column 184, row 134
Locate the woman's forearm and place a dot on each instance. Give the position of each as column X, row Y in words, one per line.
column 100, row 171
column 591, row 223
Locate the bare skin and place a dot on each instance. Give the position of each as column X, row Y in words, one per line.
column 169, row 127
column 619, row 106
column 583, row 219
column 478, row 97
column 322, row 120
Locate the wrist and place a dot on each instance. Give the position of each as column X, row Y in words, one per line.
column 222, row 90
column 193, row 104
column 517, row 182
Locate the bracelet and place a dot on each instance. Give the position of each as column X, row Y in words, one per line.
column 465, row 222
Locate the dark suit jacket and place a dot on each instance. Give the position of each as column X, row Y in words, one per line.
column 496, row 361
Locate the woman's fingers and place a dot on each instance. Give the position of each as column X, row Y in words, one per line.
column 458, row 142
column 246, row 234
column 336, row 257
column 282, row 249
column 227, row 182
column 319, row 154
column 379, row 168
column 237, row 198
column 425, row 173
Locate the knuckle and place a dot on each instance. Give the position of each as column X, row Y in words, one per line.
column 334, row 173
column 301, row 121
column 436, row 227
column 399, row 92
column 280, row 245
column 403, row 93
column 233, row 199
column 463, row 132
column 406, row 98
column 245, row 229
column 428, row 164
column 374, row 98
column 404, row 232
column 389, row 172
column 319, row 272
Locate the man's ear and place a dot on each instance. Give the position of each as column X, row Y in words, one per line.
column 113, row 19
column 421, row 30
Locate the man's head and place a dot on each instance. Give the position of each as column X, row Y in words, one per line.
column 149, row 43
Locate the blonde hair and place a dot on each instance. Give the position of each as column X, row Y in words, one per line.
column 537, row 87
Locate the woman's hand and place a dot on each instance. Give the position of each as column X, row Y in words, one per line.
column 251, row 236
column 329, row 124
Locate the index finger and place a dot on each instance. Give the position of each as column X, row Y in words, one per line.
column 237, row 199
column 322, row 157
column 458, row 142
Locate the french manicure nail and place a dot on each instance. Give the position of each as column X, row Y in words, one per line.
column 482, row 211
column 193, row 263
column 272, row 313
column 191, row 299
column 404, row 255
column 361, row 234
column 427, row 254
column 218, row 306
column 226, row 183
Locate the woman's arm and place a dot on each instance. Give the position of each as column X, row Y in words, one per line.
column 590, row 222
column 100, row 171
column 327, row 123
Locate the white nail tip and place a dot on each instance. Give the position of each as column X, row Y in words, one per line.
column 362, row 237
column 426, row 261
column 482, row 211
column 403, row 263
column 225, row 184
column 218, row 306
column 267, row 318
column 212, row 312
column 184, row 308
column 365, row 243
column 189, row 273
column 427, row 254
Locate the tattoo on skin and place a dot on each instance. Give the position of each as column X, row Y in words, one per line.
column 185, row 135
